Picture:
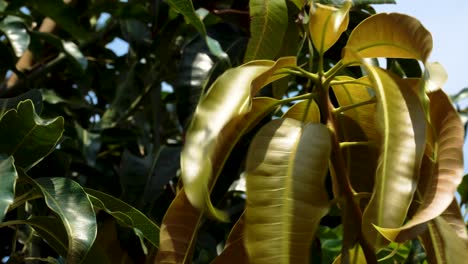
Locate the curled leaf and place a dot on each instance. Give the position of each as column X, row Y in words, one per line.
column 391, row 36
column 443, row 179
column 327, row 23
column 402, row 125
column 228, row 98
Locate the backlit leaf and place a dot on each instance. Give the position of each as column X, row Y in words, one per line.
column 26, row 136
column 435, row 76
column 126, row 214
column 327, row 23
column 269, row 21
column 8, row 176
column 448, row 172
column 389, row 35
column 402, row 125
column 181, row 222
column 228, row 98
column 70, row 202
column 298, row 112
column 285, row 172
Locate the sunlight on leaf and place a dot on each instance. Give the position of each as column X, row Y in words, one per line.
column 8, row 177
column 269, row 21
column 327, row 23
column 229, row 97
column 181, row 222
column 70, row 202
column 435, row 76
column 298, row 112
column 448, row 172
column 285, row 171
column 402, row 125
column 389, row 35
column 16, row 32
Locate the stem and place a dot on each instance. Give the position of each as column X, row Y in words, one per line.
column 357, row 143
column 345, row 190
column 298, row 71
column 334, row 70
column 349, row 82
column 352, row 106
column 295, row 98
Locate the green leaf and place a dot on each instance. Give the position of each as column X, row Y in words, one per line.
column 126, row 214
column 285, row 171
column 182, row 220
column 53, row 232
column 9, row 103
column 71, row 203
column 327, row 23
column 73, row 51
column 64, row 15
column 391, row 36
column 26, row 136
column 299, row 3
column 447, row 174
column 16, row 32
column 185, row 7
column 8, row 177
column 357, row 2
column 401, row 123
column 228, row 98
column 463, row 190
column 269, row 21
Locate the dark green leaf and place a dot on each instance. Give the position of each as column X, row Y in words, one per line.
column 70, row 202
column 64, row 15
column 8, row 176
column 463, row 189
column 126, row 215
column 11, row 103
column 28, row 137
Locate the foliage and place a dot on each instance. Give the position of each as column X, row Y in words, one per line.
column 314, row 132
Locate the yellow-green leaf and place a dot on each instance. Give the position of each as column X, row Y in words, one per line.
column 402, row 126
column 435, row 76
column 181, row 222
column 269, row 21
column 285, row 171
column 327, row 23
column 228, row 98
column 298, row 112
column 443, row 180
column 391, row 36
column 356, row 256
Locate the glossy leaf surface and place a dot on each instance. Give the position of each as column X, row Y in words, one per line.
column 26, row 136
column 402, row 125
column 16, row 33
column 228, row 98
column 389, row 35
column 448, row 172
column 326, row 25
column 298, row 112
column 8, row 176
column 71, row 204
column 126, row 215
column 269, row 21
column 176, row 242
column 285, row 171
